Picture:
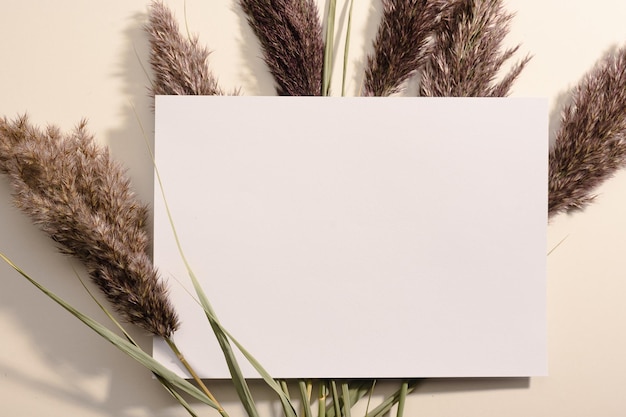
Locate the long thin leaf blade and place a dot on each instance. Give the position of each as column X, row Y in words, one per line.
column 355, row 393
column 125, row 346
column 239, row 381
column 271, row 382
column 177, row 396
column 346, row 51
column 369, row 397
column 241, row 386
column 390, row 401
column 168, row 387
column 222, row 336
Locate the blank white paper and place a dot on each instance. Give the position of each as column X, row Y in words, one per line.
column 357, row 237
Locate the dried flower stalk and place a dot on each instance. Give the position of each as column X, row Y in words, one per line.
column 590, row 145
column 290, row 33
column 180, row 64
column 81, row 198
column 401, row 45
column 467, row 53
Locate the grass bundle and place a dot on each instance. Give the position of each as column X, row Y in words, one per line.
column 81, row 198
column 467, row 52
column 590, row 145
column 180, row 65
column 401, row 45
column 290, row 33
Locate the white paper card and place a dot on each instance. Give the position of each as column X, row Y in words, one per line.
column 357, row 237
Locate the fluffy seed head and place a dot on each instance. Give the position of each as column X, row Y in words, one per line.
column 290, row 33
column 79, row 196
column 590, row 144
column 467, row 52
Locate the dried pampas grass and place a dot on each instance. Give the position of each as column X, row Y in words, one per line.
column 81, row 198
column 290, row 33
column 401, row 45
column 590, row 145
column 180, row 65
column 467, row 52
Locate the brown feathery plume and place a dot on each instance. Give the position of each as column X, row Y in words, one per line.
column 180, row 65
column 290, row 33
column 467, row 53
column 81, row 198
column 590, row 145
column 401, row 45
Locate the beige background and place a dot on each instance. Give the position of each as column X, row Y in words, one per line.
column 69, row 59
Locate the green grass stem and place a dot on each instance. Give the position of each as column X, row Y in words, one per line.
column 321, row 400
column 328, row 47
column 336, row 400
column 346, row 399
column 346, row 51
column 392, row 400
column 404, row 387
column 305, row 388
column 181, row 358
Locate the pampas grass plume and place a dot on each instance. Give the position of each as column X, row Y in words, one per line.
column 590, row 145
column 467, row 52
column 180, row 65
column 401, row 44
column 79, row 196
column 290, row 33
